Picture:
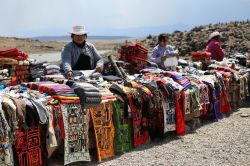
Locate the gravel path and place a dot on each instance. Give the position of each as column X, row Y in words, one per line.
column 226, row 142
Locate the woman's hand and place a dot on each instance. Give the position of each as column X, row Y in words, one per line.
column 98, row 69
column 70, row 75
column 163, row 58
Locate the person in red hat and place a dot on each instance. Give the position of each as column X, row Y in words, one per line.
column 79, row 54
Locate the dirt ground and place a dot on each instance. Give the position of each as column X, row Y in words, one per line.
column 35, row 46
column 225, row 142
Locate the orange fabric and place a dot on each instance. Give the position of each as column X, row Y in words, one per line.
column 101, row 116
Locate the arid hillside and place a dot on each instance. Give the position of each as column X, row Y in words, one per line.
column 236, row 38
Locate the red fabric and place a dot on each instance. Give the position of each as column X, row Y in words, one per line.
column 28, row 147
column 214, row 47
column 180, row 122
column 132, row 52
column 224, row 102
column 58, row 123
column 140, row 133
column 200, row 54
column 14, row 54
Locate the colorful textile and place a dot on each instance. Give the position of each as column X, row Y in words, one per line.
column 58, row 123
column 179, row 78
column 101, row 116
column 14, row 54
column 28, row 147
column 123, row 128
column 141, row 134
column 6, row 154
column 76, row 126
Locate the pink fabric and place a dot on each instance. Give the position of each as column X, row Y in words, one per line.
column 214, row 47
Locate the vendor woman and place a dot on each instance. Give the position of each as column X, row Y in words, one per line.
column 159, row 52
column 79, row 54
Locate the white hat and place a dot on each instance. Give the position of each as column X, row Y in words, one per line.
column 212, row 35
column 78, row 30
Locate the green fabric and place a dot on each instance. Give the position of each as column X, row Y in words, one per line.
column 123, row 128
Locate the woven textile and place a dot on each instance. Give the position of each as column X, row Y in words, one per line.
column 123, row 128
column 6, row 155
column 101, row 116
column 28, row 147
column 76, row 122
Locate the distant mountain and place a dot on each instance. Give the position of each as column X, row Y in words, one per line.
column 67, row 38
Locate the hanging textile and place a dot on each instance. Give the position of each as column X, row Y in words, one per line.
column 101, row 116
column 76, row 126
column 123, row 128
column 6, row 154
column 28, row 147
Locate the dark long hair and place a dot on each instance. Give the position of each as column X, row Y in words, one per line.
column 162, row 37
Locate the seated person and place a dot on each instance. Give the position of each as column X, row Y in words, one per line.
column 214, row 46
column 79, row 54
column 159, row 53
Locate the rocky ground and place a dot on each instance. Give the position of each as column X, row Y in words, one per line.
column 236, row 38
column 226, row 143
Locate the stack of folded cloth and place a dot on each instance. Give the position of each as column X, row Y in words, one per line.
column 51, row 70
column 52, row 73
column 37, row 69
column 63, row 93
column 16, row 62
column 13, row 54
column 179, row 79
column 89, row 95
column 19, row 73
column 4, row 77
column 107, row 95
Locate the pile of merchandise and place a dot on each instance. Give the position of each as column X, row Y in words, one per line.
column 136, row 56
column 96, row 119
column 17, row 65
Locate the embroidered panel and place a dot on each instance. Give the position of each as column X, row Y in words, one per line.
column 28, row 147
column 101, row 116
column 76, row 126
column 140, row 132
column 123, row 129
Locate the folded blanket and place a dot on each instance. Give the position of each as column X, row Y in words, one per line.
column 8, row 61
column 14, row 54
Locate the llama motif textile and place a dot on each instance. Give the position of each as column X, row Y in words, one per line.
column 76, row 122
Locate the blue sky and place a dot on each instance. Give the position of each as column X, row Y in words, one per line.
column 28, row 18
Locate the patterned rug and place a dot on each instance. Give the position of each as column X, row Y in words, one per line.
column 101, row 116
column 76, row 124
column 123, row 128
column 28, row 147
